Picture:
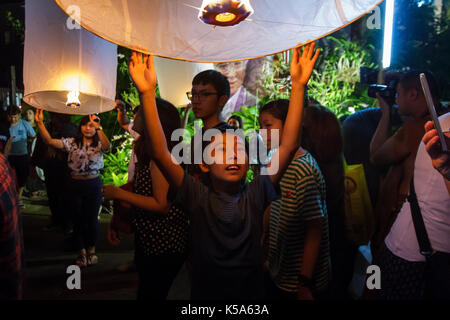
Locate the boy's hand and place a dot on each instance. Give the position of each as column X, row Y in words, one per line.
column 142, row 72
column 38, row 116
column 302, row 64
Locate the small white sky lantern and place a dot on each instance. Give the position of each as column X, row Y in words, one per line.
column 175, row 78
column 66, row 68
column 172, row 28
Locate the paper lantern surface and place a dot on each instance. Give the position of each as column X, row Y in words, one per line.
column 172, row 29
column 59, row 58
column 175, row 78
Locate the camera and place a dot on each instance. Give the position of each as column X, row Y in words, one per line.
column 387, row 92
column 120, row 105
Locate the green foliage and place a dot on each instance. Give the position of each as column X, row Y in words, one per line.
column 421, row 40
column 249, row 116
column 16, row 24
column 335, row 84
column 115, row 171
column 335, row 80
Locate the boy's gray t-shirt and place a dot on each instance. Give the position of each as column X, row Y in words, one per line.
column 226, row 232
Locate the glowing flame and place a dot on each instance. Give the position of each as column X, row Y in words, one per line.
column 224, row 12
column 72, row 99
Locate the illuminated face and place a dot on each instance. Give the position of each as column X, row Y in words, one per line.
column 88, row 130
column 14, row 119
column 29, row 115
column 235, row 73
column 268, row 122
column 229, row 158
column 205, row 101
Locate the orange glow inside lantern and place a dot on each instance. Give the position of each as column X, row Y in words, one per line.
column 225, row 12
column 72, row 99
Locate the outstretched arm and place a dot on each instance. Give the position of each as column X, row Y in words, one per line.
column 143, row 73
column 302, row 66
column 46, row 137
column 106, row 145
column 157, row 203
column 122, row 117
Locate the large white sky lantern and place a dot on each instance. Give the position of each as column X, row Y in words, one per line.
column 172, row 28
column 66, row 69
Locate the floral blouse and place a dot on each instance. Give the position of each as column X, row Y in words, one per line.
column 83, row 161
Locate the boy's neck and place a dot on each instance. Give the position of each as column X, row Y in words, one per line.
column 228, row 188
column 211, row 121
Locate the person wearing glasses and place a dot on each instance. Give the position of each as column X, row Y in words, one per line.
column 210, row 92
column 85, row 161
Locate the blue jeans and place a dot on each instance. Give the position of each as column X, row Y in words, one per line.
column 86, row 198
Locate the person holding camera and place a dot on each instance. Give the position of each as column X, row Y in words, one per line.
column 395, row 243
column 85, row 160
column 398, row 151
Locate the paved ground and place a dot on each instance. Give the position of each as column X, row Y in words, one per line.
column 46, row 263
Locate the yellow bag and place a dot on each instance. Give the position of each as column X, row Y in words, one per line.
column 359, row 220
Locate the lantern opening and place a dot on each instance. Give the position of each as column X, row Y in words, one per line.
column 224, row 12
column 72, row 99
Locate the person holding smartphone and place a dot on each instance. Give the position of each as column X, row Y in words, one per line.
column 439, row 159
column 85, row 160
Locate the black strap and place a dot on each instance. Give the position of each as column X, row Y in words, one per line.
column 419, row 226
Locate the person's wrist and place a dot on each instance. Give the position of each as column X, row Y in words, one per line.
column 298, row 85
column 150, row 92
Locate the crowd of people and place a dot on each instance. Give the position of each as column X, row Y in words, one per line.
column 282, row 236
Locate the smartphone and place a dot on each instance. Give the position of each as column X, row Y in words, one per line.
column 431, row 108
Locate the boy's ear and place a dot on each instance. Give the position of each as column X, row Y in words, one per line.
column 222, row 101
column 204, row 167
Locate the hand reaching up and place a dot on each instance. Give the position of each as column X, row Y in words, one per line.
column 302, row 64
column 142, row 71
column 39, row 116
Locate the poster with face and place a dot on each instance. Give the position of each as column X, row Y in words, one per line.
column 246, row 80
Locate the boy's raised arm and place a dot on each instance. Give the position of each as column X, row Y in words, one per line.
column 302, row 65
column 143, row 73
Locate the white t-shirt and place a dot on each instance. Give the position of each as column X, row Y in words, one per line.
column 434, row 203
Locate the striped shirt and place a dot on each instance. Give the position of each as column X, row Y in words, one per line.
column 302, row 200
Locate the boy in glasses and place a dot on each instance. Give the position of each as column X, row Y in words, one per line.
column 209, row 94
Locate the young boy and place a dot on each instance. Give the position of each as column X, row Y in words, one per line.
column 226, row 216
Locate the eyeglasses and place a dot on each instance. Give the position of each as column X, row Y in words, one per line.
column 200, row 95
